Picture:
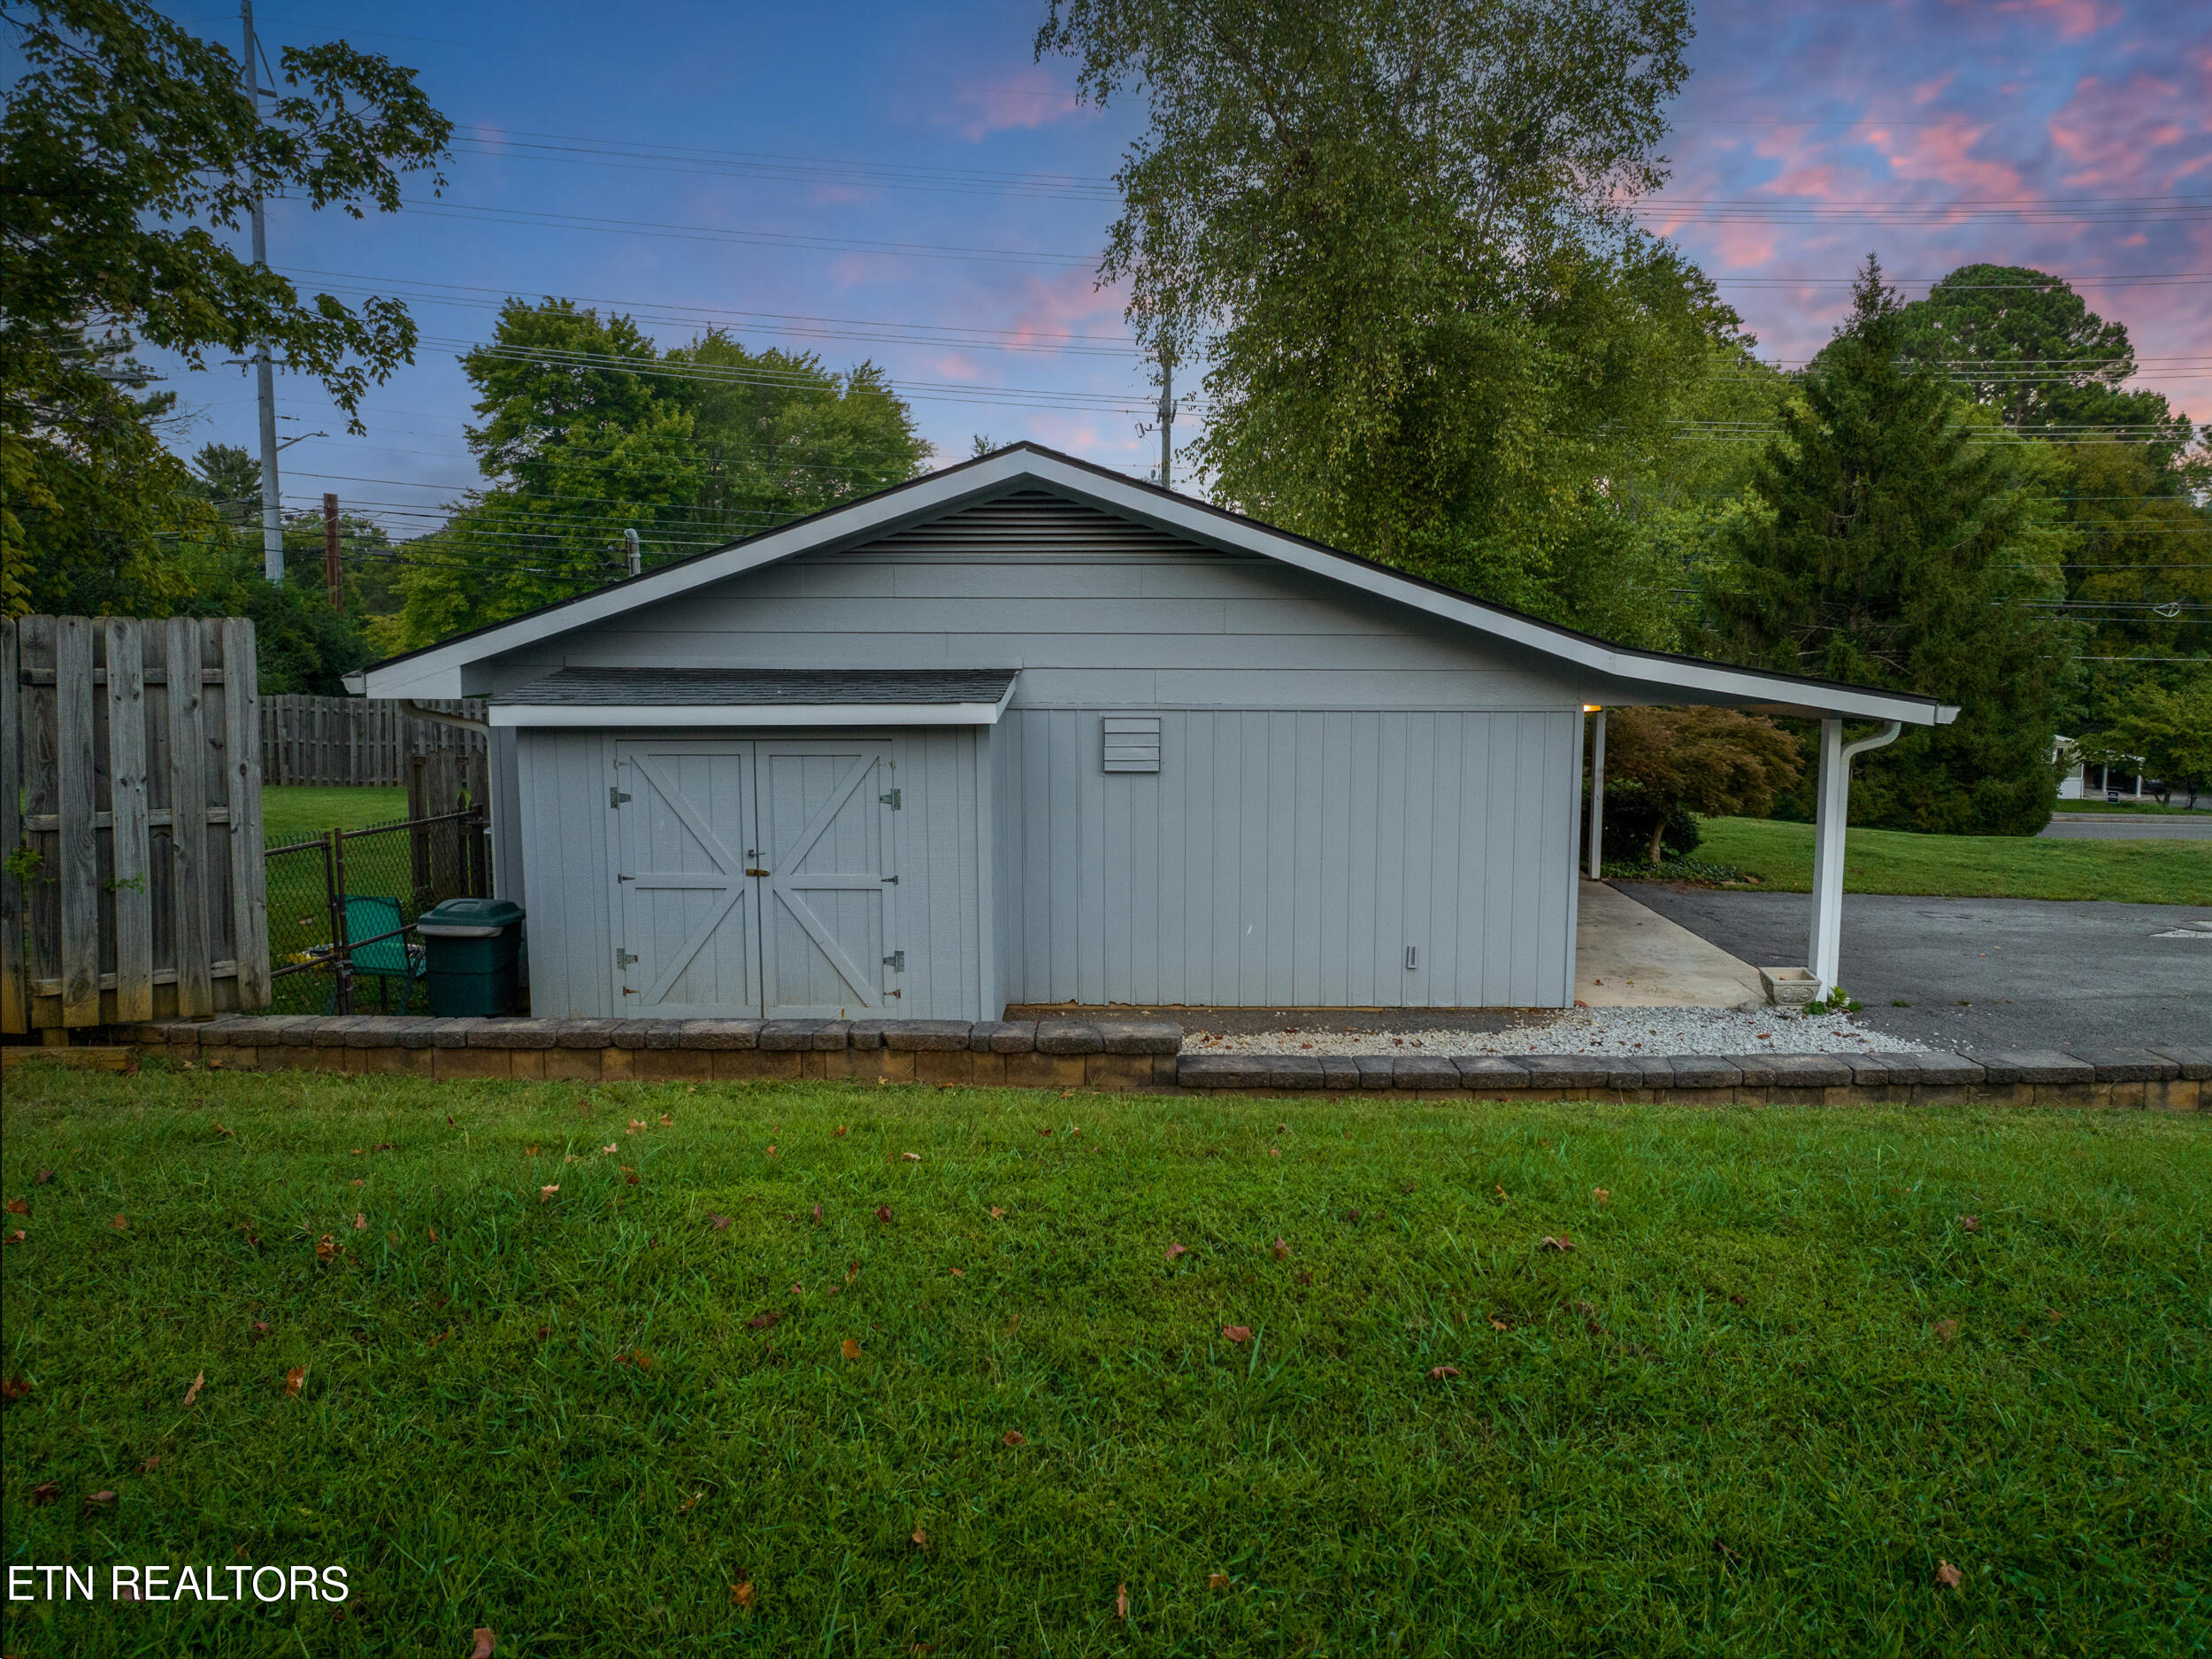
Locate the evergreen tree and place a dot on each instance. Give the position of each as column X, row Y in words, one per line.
column 1895, row 549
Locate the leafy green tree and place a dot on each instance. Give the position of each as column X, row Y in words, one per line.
column 1397, row 235
column 2166, row 733
column 1894, row 547
column 127, row 143
column 2026, row 344
column 1672, row 761
column 590, row 430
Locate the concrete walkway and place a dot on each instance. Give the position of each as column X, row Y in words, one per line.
column 1627, row 956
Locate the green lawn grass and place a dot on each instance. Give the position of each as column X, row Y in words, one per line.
column 1777, row 1382
column 298, row 812
column 1969, row 867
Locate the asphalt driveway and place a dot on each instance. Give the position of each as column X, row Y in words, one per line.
column 1984, row 973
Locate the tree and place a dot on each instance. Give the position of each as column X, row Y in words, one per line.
column 127, row 145
column 1397, row 235
column 2027, row 345
column 1894, row 547
column 590, row 429
column 2165, row 733
column 1698, row 760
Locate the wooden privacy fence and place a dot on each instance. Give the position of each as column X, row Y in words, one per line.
column 130, row 821
column 356, row 740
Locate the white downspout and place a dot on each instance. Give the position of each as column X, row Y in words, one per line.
column 1829, row 818
column 1597, row 791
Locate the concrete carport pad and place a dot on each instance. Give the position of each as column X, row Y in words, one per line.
column 2033, row 973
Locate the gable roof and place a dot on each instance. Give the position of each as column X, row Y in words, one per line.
column 436, row 671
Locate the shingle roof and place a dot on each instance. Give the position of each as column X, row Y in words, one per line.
column 645, row 688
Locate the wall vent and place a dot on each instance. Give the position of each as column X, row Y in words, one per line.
column 1130, row 742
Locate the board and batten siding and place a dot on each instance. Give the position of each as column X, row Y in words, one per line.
column 1289, row 858
column 940, row 913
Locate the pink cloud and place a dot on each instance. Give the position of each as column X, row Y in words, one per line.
column 2134, row 132
column 1943, row 155
column 1071, row 303
column 1929, row 91
column 958, row 365
column 2076, row 18
column 1021, row 98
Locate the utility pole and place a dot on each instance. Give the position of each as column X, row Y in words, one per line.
column 1167, row 416
column 334, row 578
column 272, row 502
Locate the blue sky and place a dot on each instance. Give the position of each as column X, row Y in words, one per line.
column 904, row 183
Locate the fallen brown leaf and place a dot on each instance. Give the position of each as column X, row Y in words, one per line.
column 883, row 1214
column 260, row 1329
column 1438, row 1373
column 1015, row 1437
column 1946, row 1575
column 798, row 1289
column 921, row 1539
column 1562, row 1244
column 1498, row 1192
column 294, row 1379
column 1946, row 1329
column 720, row 1223
column 326, row 1248
column 997, row 1212
column 18, row 1206
column 667, row 1121
column 762, row 1321
column 1970, row 1224
column 91, row 1498
column 1174, row 1250
column 608, row 1150
column 852, row 1348
column 911, row 1158
column 150, row 1464
column 360, row 1222
column 485, row 1642
column 43, row 1177
column 545, row 1193
column 199, row 1381
column 1497, row 1324
column 1236, row 1333
column 121, row 1224
column 960, row 1272
column 15, row 1236
column 689, row 1503
column 1216, row 1582
column 1282, row 1249
column 742, row 1595
column 840, row 1129
column 529, row 1152
column 1304, row 1278
column 45, row 1493
column 1603, row 1195
column 1121, row 1602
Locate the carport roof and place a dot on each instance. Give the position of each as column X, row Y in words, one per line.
column 719, row 696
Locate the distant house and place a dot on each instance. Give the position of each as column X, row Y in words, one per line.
column 1027, row 731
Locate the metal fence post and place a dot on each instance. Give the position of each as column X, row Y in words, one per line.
column 341, row 947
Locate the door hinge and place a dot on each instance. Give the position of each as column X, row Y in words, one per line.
column 615, row 797
column 895, row 961
column 891, row 800
column 623, row 878
column 623, row 960
column 891, row 880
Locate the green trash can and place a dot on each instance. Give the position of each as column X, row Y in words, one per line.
column 473, row 946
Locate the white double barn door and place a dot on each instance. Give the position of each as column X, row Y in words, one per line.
column 754, row 876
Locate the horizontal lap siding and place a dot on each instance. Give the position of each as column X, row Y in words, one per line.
column 1288, row 858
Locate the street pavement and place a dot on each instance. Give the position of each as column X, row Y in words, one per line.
column 2123, row 827
column 1983, row 974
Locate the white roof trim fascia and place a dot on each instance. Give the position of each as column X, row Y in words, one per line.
column 437, row 673
column 442, row 666
column 599, row 716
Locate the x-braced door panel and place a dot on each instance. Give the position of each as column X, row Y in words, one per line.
column 825, row 844
column 687, row 913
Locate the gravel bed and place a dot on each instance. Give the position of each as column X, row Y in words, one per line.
column 1589, row 1031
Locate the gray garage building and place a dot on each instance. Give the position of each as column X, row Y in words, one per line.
column 1028, row 731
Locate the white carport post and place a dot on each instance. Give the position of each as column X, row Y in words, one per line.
column 1830, row 817
column 1597, row 790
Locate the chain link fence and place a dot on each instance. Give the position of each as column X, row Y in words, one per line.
column 343, row 909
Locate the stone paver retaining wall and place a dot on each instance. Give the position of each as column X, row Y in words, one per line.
column 1144, row 1057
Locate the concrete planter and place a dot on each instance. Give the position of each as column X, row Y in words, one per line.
column 1789, row 987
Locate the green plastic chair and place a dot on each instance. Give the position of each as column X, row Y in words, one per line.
column 369, row 916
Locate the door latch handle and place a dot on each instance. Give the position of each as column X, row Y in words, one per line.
column 751, row 870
